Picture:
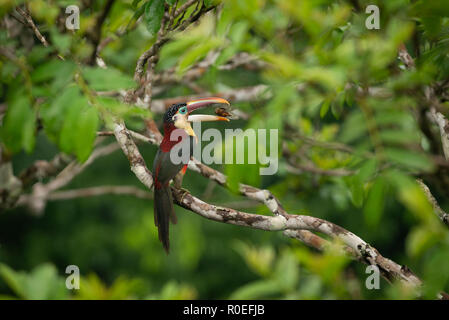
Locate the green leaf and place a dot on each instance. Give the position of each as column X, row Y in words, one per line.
column 87, row 128
column 79, row 130
column 412, row 160
column 242, row 173
column 337, row 105
column 13, row 279
column 29, row 131
column 287, row 271
column 61, row 41
column 436, row 281
column 431, row 8
column 154, row 11
column 257, row 289
column 53, row 114
column 208, row 3
column 173, row 50
column 421, row 239
column 46, row 71
column 324, row 108
column 355, row 186
column 69, row 133
column 19, row 125
column 38, row 54
column 135, row 3
column 56, row 72
column 137, row 14
column 398, row 136
column 196, row 53
column 107, row 79
column 394, row 117
column 375, row 202
column 238, row 32
column 354, row 127
column 367, row 169
column 259, row 260
column 120, row 109
column 42, row 283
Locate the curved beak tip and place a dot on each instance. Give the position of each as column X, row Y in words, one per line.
column 200, row 103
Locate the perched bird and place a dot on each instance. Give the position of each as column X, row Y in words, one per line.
column 177, row 130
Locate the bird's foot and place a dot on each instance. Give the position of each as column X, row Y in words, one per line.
column 180, row 193
column 184, row 192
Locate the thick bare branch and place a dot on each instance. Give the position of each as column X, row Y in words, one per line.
column 131, row 151
column 281, row 221
column 297, row 222
column 443, row 124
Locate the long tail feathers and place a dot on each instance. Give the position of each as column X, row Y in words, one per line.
column 163, row 213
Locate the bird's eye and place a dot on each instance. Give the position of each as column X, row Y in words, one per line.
column 183, row 110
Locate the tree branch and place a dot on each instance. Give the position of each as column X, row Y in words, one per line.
column 10, row 185
column 92, row 192
column 443, row 124
column 96, row 33
column 281, row 221
column 40, row 192
column 30, row 23
column 42, row 169
column 131, row 151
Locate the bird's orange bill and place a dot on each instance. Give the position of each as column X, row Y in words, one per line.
column 200, row 103
column 205, row 117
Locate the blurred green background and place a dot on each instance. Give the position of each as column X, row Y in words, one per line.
column 311, row 51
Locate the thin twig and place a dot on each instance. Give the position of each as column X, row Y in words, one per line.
column 100, row 190
column 35, row 29
column 96, row 34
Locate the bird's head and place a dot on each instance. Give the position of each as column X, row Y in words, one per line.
column 180, row 115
